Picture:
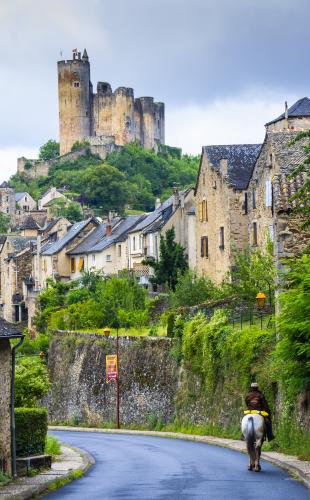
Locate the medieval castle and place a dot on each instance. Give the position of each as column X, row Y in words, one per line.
column 106, row 119
column 106, row 116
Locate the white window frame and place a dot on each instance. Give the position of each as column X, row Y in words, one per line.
column 268, row 192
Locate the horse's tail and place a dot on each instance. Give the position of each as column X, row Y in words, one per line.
column 250, row 437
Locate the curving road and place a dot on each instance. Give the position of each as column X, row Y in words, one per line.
column 143, row 467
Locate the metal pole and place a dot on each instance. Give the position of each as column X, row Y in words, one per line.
column 261, row 320
column 13, row 431
column 117, row 382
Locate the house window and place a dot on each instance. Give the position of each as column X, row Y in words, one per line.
column 81, row 264
column 109, row 259
column 76, row 85
column 134, row 243
column 8, row 210
column 203, row 211
column 268, row 192
column 204, row 247
column 222, row 245
column 271, row 232
column 93, row 259
column 254, row 233
column 245, row 204
column 72, row 264
column 203, row 179
column 7, row 198
column 119, row 250
column 254, row 198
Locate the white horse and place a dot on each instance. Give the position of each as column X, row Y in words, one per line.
column 253, row 430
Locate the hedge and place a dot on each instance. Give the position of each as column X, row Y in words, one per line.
column 31, row 431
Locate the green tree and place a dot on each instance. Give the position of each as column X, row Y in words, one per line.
column 172, row 261
column 78, row 145
column 302, row 195
column 69, row 209
column 4, row 223
column 253, row 272
column 49, row 150
column 191, row 290
column 106, row 187
column 293, row 349
column 31, row 382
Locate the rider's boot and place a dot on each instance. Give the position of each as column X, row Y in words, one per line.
column 269, row 432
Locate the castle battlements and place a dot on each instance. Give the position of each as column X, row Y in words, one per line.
column 107, row 113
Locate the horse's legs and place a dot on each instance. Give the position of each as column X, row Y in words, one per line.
column 251, row 452
column 258, row 449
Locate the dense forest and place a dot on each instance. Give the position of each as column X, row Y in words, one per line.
column 130, row 178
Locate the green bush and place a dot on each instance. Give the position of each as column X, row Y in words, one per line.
column 31, row 381
column 31, row 431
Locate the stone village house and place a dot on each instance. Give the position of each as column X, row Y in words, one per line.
column 243, row 195
column 7, row 332
column 221, row 223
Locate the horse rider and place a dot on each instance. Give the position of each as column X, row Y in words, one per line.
column 255, row 400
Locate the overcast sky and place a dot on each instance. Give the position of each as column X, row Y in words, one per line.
column 222, row 67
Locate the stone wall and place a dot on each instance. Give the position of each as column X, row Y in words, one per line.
column 224, row 209
column 148, row 379
column 5, row 399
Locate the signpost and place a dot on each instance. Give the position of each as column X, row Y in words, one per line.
column 112, row 361
column 111, row 367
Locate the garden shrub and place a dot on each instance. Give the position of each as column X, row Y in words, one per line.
column 31, row 431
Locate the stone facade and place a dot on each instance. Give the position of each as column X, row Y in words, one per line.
column 7, row 201
column 5, row 401
column 270, row 211
column 111, row 117
column 221, row 220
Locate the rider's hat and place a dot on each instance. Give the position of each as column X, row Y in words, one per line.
column 254, row 385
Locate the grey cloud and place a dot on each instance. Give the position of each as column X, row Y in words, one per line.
column 179, row 51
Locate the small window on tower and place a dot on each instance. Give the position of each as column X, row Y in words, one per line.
column 76, row 84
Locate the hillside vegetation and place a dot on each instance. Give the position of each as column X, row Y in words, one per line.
column 132, row 177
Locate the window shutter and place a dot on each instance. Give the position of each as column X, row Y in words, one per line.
column 200, row 211
column 268, row 193
column 202, row 250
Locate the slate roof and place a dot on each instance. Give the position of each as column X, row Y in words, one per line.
column 19, row 196
column 287, row 155
column 153, row 216
column 241, row 160
column 91, row 240
column 299, row 108
column 9, row 330
column 119, row 234
column 29, row 223
column 55, row 247
column 4, row 185
column 19, row 243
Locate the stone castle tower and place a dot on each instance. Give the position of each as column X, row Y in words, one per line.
column 106, row 116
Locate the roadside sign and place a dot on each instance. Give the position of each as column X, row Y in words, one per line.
column 111, row 367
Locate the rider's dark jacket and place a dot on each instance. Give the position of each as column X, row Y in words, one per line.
column 255, row 400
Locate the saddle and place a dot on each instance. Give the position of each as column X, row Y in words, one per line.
column 263, row 413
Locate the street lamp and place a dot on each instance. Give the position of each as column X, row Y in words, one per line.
column 260, row 301
column 106, row 332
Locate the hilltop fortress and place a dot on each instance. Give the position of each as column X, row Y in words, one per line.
column 106, row 119
column 105, row 116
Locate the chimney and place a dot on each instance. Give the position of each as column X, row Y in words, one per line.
column 157, row 203
column 176, row 196
column 286, row 115
column 108, row 229
column 224, row 166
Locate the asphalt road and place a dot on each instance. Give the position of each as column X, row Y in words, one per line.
column 143, row 467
